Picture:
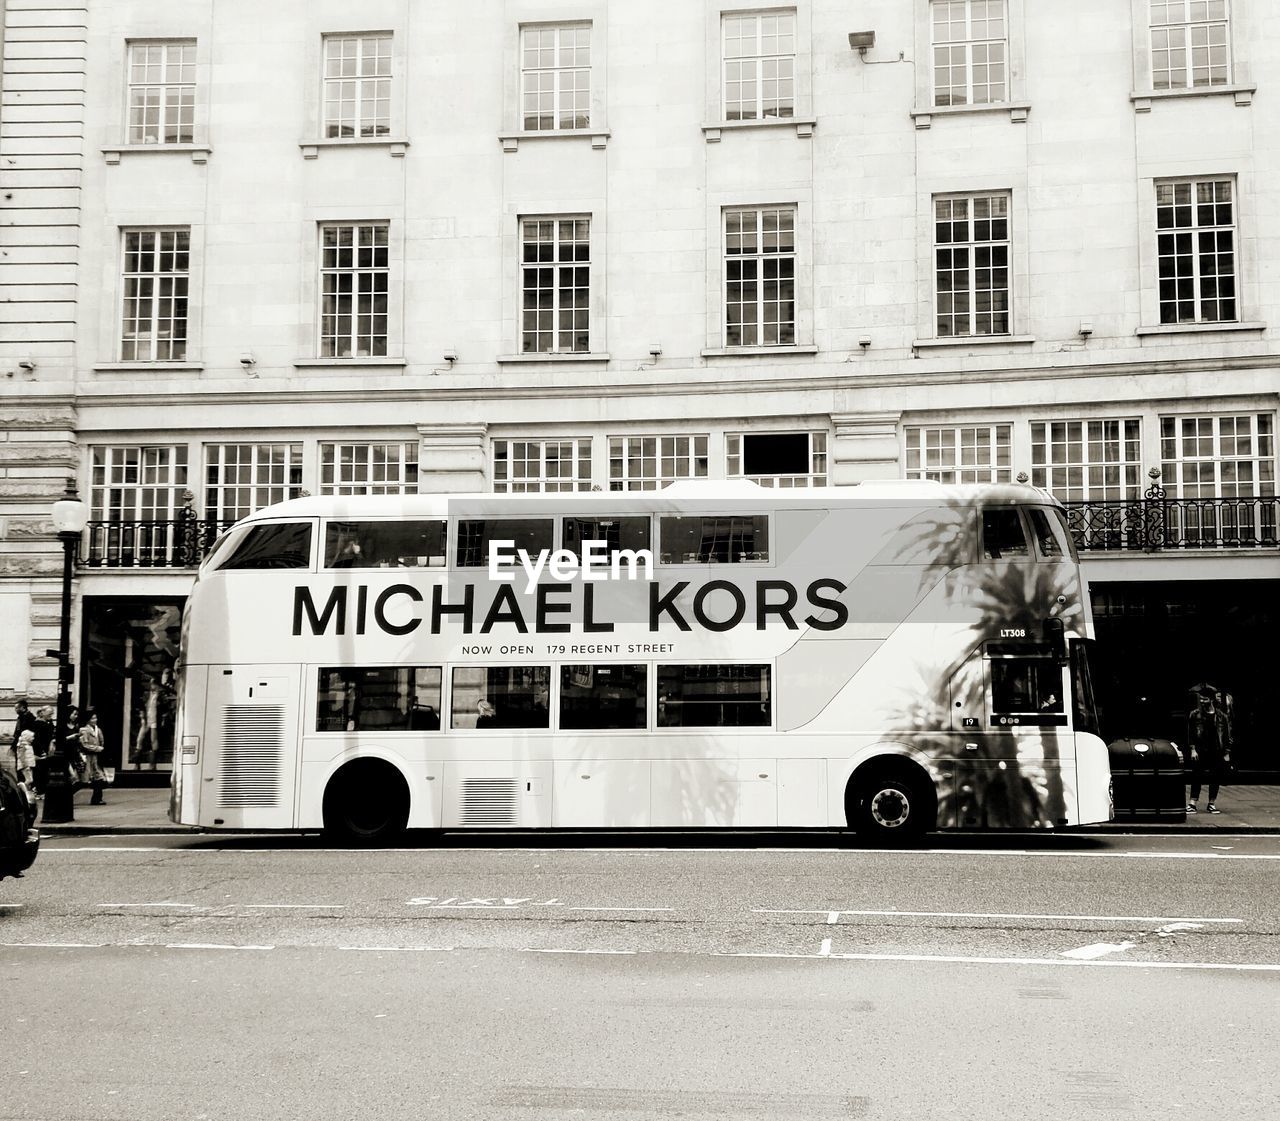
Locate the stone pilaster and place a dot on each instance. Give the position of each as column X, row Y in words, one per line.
column 865, row 447
column 452, row 458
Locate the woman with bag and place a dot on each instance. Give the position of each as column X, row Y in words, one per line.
column 91, row 745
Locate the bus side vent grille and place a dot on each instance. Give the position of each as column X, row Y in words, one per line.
column 252, row 749
column 489, row 801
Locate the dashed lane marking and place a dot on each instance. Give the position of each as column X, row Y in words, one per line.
column 1098, row 950
column 833, row 915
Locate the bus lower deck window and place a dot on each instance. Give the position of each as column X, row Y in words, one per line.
column 500, row 697
column 714, row 696
column 602, row 697
column 382, row 698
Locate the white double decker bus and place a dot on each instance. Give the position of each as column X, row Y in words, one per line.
column 888, row 657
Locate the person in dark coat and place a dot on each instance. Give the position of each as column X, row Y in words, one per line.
column 41, row 741
column 1208, row 740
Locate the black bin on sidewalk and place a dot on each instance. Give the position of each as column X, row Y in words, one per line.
column 1147, row 779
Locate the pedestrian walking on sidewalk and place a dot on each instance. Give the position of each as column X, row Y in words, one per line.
column 43, row 733
column 24, row 758
column 25, row 719
column 91, row 745
column 1209, row 742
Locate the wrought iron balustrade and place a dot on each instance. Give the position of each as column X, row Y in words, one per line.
column 180, row 542
column 1156, row 523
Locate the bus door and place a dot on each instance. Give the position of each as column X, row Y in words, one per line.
column 1012, row 772
column 251, row 747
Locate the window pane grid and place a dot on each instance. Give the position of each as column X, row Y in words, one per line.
column 1195, row 251
column 155, row 275
column 541, row 466
column 354, row 272
column 372, row 468
column 242, row 478
column 973, row 454
column 162, row 93
column 651, row 462
column 1087, row 460
column 759, row 65
column 971, row 260
column 1189, row 44
column 555, row 77
column 357, row 85
column 970, row 52
column 137, row 483
column 1220, row 457
column 555, row 285
column 759, row 272
column 816, row 476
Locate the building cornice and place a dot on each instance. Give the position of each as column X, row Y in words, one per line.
column 835, row 376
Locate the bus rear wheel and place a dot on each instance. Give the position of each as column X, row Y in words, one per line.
column 366, row 803
column 889, row 805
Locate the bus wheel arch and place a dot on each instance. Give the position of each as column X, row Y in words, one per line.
column 891, row 797
column 366, row 802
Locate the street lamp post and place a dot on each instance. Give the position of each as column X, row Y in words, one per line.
column 69, row 517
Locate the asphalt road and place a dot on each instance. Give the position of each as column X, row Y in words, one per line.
column 649, row 977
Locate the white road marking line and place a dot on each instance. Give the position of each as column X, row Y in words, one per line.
column 946, row 959
column 11, row 906
column 621, row 908
column 210, row 946
column 403, row 949
column 1098, row 949
column 1204, row 855
column 826, row 948
column 45, row 849
column 833, row 917
column 1170, row 928
column 990, row 915
column 183, row 906
column 289, row 906
column 52, row 945
column 535, row 950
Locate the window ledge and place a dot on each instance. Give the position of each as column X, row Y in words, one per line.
column 755, row 351
column 199, row 153
column 1197, row 328
column 804, row 126
column 567, row 356
column 974, row 340
column 510, row 141
column 1017, row 111
column 395, row 145
column 1142, row 100
column 346, row 363
column 148, row 367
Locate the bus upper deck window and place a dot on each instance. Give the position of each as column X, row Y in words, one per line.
column 715, row 539
column 272, row 545
column 616, row 533
column 1002, row 534
column 384, row 544
column 533, row 535
column 1048, row 534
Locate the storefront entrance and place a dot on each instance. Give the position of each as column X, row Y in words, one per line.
column 128, row 657
column 1157, row 640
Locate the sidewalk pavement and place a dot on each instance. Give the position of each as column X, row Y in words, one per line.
column 1245, row 809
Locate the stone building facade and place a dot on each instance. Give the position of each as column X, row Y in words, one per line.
column 256, row 250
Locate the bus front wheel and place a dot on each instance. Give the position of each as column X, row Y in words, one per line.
column 366, row 803
column 890, row 804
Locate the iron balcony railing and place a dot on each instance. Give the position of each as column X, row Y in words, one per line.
column 1156, row 523
column 180, row 542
